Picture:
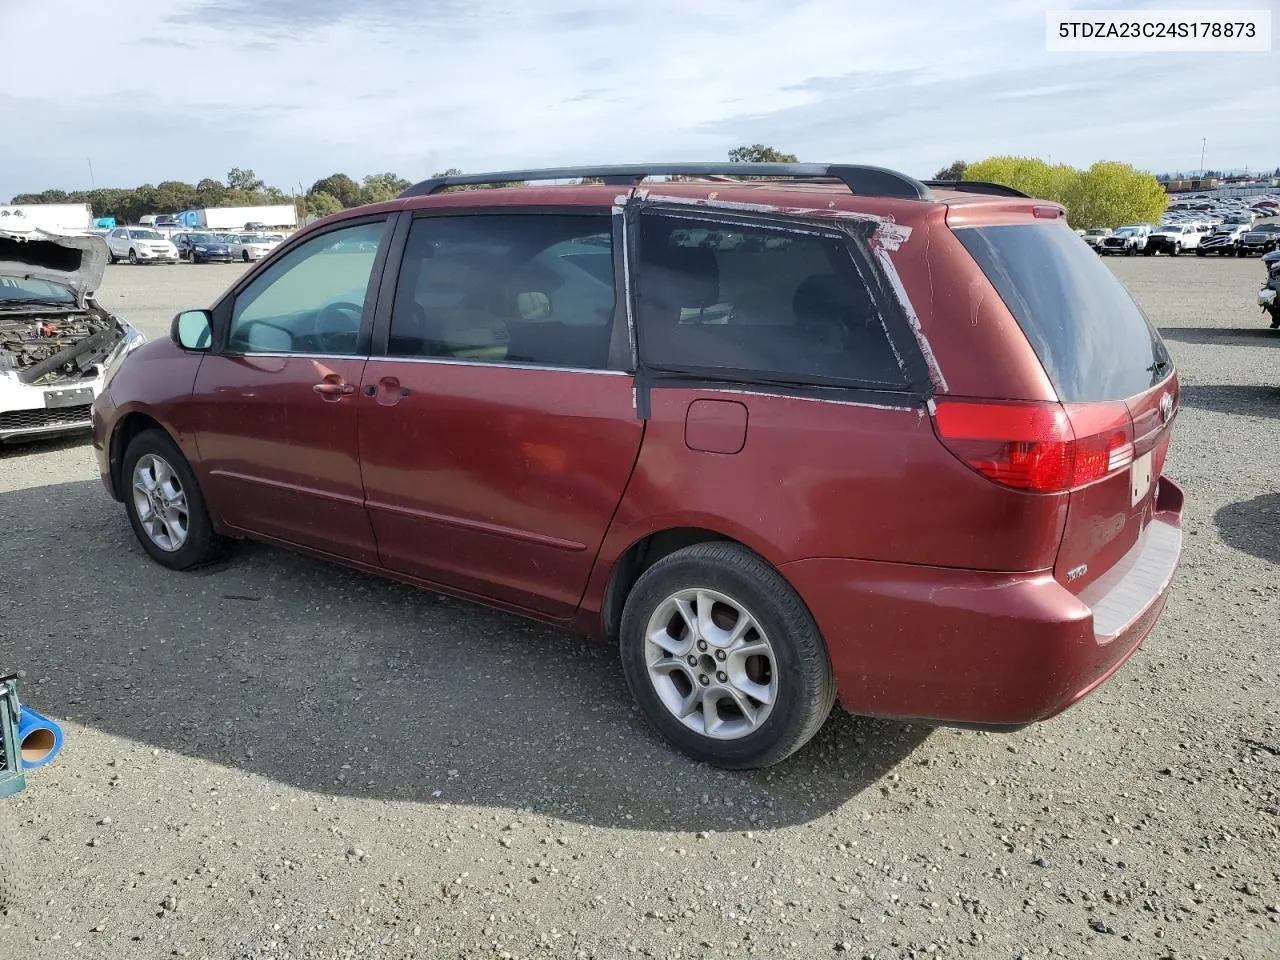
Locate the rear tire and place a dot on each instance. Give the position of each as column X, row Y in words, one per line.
column 741, row 703
column 164, row 503
column 1201, row 253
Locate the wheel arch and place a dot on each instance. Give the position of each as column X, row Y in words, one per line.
column 128, row 427
column 639, row 556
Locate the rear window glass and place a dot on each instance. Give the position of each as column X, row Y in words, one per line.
column 1093, row 340
column 757, row 299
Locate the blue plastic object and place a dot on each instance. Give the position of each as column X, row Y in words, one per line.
column 39, row 738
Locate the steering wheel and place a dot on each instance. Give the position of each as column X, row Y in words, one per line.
column 336, row 326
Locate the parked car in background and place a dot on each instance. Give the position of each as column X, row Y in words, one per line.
column 1259, row 240
column 536, row 414
column 56, row 342
column 1222, row 240
column 1095, row 236
column 1127, row 240
column 251, row 246
column 1173, row 238
column 202, row 248
column 140, row 245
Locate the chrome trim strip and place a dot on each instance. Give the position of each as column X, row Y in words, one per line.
column 448, row 361
column 445, row 361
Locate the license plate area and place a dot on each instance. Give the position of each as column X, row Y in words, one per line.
column 1140, row 479
column 73, row 397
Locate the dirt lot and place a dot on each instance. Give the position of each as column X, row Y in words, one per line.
column 278, row 758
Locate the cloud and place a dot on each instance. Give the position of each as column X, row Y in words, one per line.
column 298, row 89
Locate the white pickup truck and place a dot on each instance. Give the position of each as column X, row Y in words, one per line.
column 1173, row 238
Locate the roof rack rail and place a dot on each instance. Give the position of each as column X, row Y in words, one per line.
column 862, row 180
column 977, row 186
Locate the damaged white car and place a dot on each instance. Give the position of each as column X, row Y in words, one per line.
column 56, row 343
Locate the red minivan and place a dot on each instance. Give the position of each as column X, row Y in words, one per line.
column 827, row 432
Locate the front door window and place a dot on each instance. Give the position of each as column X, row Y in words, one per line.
column 311, row 300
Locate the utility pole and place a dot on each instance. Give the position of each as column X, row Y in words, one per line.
column 1202, row 142
column 92, row 183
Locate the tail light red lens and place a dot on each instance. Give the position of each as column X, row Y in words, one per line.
column 1039, row 447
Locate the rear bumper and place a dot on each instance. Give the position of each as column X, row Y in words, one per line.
column 985, row 649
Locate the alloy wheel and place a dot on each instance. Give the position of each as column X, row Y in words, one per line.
column 161, row 503
column 711, row 663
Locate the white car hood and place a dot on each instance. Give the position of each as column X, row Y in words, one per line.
column 30, row 257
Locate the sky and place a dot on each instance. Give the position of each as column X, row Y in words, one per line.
column 146, row 91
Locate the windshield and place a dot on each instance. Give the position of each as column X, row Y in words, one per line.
column 23, row 288
column 1126, row 231
column 1095, row 233
column 202, row 238
column 145, row 235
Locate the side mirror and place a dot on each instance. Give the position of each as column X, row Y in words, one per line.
column 192, row 330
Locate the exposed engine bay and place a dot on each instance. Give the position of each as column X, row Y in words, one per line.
column 47, row 346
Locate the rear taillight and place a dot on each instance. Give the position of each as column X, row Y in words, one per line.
column 1040, row 447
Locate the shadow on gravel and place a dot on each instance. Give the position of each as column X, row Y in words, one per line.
column 1252, row 526
column 18, row 448
column 1240, row 336
column 1247, row 399
column 341, row 683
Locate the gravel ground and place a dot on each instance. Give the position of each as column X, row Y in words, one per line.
column 277, row 758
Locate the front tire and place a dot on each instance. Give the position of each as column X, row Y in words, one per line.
column 723, row 657
column 246, row 256
column 164, row 503
column 133, row 256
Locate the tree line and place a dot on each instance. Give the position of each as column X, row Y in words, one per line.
column 1107, row 194
column 243, row 188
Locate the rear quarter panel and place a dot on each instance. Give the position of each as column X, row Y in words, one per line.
column 818, row 478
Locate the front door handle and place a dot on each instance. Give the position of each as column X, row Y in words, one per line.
column 334, row 391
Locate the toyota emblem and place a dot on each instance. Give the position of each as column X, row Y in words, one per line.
column 1166, row 407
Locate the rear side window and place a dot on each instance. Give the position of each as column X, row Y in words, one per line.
column 757, row 299
column 1093, row 340
column 534, row 289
